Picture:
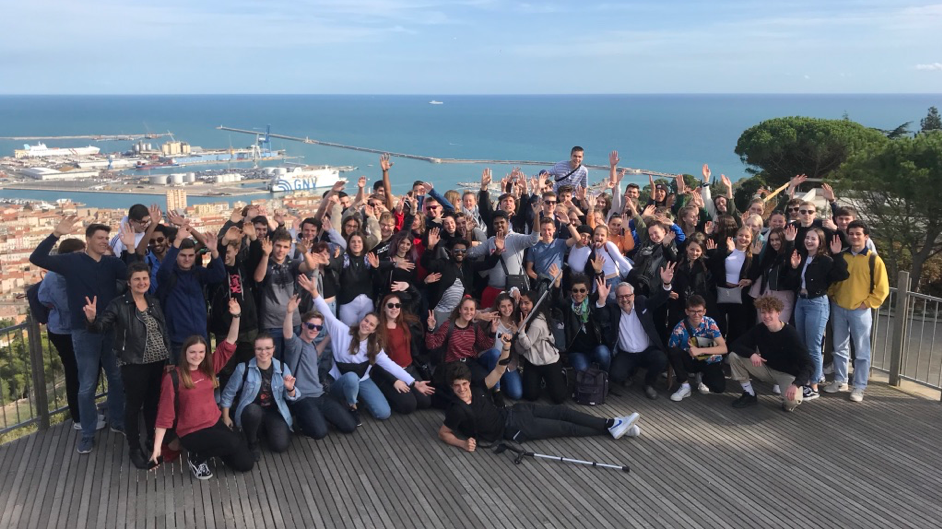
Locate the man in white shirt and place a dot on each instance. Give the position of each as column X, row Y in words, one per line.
column 628, row 329
column 570, row 172
column 138, row 219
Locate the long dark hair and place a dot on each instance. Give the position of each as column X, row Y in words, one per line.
column 374, row 342
column 403, row 235
column 403, row 321
column 542, row 309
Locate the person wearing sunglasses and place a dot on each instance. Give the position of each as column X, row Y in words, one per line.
column 402, row 335
column 808, row 220
column 138, row 219
column 583, row 336
column 452, row 272
column 314, row 409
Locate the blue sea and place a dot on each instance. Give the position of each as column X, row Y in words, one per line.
column 667, row 133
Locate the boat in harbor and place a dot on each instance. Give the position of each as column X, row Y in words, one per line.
column 41, row 151
column 286, row 180
column 433, row 102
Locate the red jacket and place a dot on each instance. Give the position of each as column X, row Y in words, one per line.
column 198, row 409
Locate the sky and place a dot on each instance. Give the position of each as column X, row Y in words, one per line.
column 469, row 47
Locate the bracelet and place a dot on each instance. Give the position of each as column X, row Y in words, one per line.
column 239, row 315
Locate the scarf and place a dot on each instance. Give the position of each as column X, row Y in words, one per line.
column 581, row 310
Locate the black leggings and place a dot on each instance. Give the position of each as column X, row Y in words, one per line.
column 734, row 319
column 684, row 364
column 141, row 392
column 527, row 422
column 402, row 403
column 219, row 441
column 63, row 345
column 257, row 420
column 534, row 376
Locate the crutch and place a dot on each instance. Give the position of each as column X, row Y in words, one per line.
column 521, row 453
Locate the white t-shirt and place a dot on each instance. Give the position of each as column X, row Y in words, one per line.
column 734, row 264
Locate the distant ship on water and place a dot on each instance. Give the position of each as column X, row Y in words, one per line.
column 41, row 151
column 434, row 102
column 290, row 179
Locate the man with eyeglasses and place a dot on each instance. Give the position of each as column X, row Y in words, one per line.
column 315, row 408
column 628, row 329
column 697, row 346
column 138, row 219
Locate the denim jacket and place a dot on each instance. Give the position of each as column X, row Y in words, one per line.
column 253, row 383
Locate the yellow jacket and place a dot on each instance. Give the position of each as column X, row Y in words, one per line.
column 854, row 290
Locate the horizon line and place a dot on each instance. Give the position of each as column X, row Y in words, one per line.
column 483, row 95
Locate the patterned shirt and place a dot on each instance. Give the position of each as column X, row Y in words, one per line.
column 155, row 350
column 681, row 339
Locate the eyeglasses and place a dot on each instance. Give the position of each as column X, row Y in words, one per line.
column 549, row 202
column 158, row 240
column 579, row 291
column 313, row 326
column 806, row 211
column 459, row 250
column 394, row 305
column 696, row 312
column 624, row 297
column 432, row 208
column 793, row 209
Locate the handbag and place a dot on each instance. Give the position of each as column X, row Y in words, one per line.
column 729, row 295
column 519, row 281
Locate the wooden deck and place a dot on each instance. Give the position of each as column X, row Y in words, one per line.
column 699, row 463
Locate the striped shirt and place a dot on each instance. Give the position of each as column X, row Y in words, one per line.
column 463, row 343
column 578, row 178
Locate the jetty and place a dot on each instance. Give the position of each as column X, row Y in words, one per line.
column 434, row 159
column 96, row 137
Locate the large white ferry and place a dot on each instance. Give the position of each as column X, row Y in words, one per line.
column 291, row 179
column 41, row 151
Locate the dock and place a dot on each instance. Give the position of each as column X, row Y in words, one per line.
column 698, row 463
column 435, row 159
column 96, row 137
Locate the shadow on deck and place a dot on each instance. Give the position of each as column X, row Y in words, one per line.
column 699, row 463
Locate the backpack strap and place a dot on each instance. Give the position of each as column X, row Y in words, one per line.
column 873, row 264
column 175, row 379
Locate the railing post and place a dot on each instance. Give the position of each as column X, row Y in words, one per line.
column 900, row 324
column 39, row 374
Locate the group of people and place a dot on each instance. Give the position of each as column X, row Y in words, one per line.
column 458, row 301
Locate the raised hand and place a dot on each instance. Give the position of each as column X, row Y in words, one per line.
column 486, row 179
column 235, row 216
column 667, row 272
column 730, row 244
column 592, row 200
column 726, row 182
column 399, row 286
column 293, row 303
column 431, row 319
column 279, row 217
column 266, row 246
column 433, row 278
column 613, row 159
column 308, row 284
column 499, row 241
column 828, row 192
column 361, row 182
column 706, row 173
column 289, row 383
column 175, row 218
column 65, row 226
column 126, row 234
column 797, row 180
column 598, row 263
column 708, row 227
column 756, row 246
column 836, row 245
column 405, row 264
column 384, row 162
column 303, row 246
column 91, row 308
column 649, row 211
column 710, row 244
column 795, row 260
column 554, row 270
column 602, row 288
column 155, row 213
column 234, row 307
column 791, row 232
column 248, row 229
column 434, row 237
column 338, row 186
column 373, row 259
column 829, row 224
column 232, row 234
column 668, row 237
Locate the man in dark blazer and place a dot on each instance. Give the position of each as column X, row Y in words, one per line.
column 628, row 330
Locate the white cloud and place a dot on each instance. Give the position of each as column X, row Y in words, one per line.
column 930, row 66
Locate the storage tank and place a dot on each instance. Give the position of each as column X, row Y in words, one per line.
column 160, row 179
column 189, row 178
column 269, row 171
column 177, row 178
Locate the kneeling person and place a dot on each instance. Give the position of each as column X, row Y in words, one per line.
column 696, row 346
column 773, row 352
column 266, row 385
column 474, row 415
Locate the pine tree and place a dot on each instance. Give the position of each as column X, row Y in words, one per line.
column 932, row 121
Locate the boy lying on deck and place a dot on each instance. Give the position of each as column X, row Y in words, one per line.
column 474, row 415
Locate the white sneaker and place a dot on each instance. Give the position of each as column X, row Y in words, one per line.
column 701, row 387
column 622, row 425
column 836, row 387
column 634, row 431
column 776, row 389
column 828, row 369
column 856, row 395
column 681, row 393
column 98, row 426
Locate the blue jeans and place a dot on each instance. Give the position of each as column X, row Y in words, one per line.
column 278, row 336
column 91, row 351
column 811, row 318
column 510, row 383
column 852, row 325
column 601, row 355
column 350, row 389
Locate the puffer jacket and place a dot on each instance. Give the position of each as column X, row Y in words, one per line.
column 130, row 333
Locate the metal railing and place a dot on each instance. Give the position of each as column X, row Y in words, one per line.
column 907, row 337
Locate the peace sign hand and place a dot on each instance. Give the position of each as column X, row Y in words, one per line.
column 667, row 272
column 431, row 319
column 91, row 308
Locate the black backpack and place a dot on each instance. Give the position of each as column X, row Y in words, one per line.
column 591, row 387
column 37, row 310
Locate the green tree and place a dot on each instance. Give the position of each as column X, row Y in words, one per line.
column 781, row 148
column 932, row 121
column 897, row 188
column 897, row 133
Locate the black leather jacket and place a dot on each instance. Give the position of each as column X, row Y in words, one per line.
column 130, row 333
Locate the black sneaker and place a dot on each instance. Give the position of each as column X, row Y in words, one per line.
column 745, row 400
column 200, row 470
column 256, row 451
column 356, row 417
column 138, row 459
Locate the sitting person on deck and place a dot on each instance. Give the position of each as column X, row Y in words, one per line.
column 696, row 345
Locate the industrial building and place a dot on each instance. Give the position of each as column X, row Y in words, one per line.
column 46, row 173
